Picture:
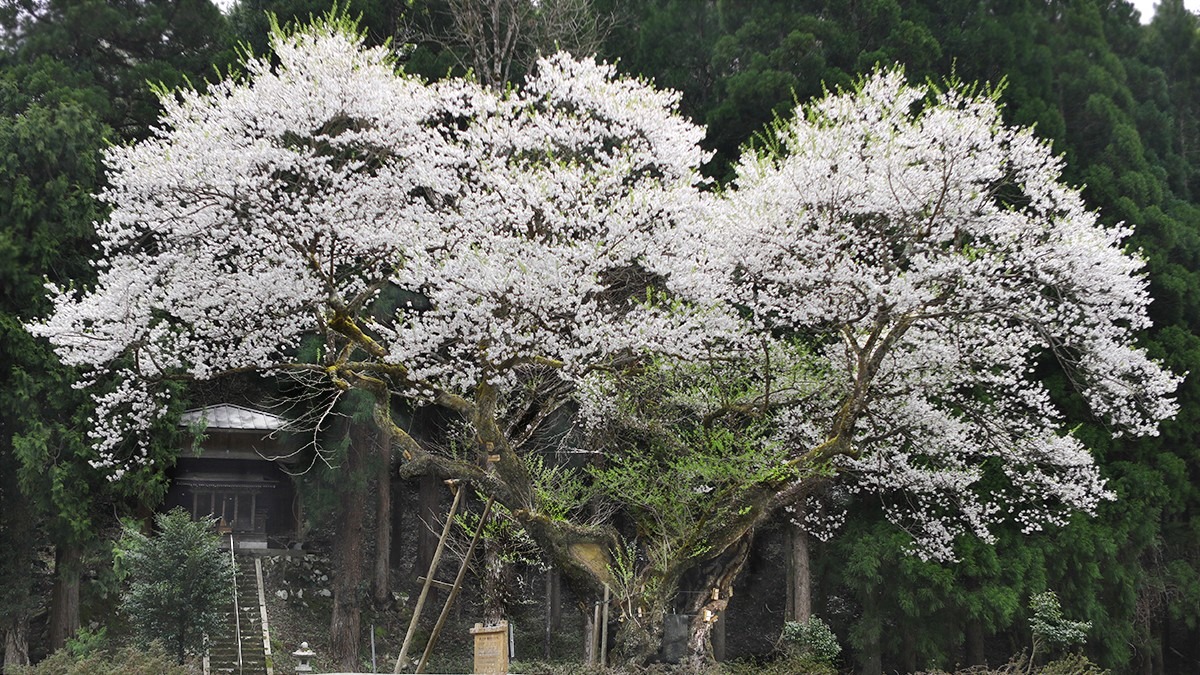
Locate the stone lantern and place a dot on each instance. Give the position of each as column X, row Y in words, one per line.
column 302, row 657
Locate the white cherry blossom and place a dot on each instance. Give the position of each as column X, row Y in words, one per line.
column 935, row 256
column 284, row 204
column 926, row 254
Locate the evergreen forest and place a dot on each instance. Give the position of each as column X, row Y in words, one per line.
column 1116, row 93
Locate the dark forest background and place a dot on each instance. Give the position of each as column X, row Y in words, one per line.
column 1119, row 100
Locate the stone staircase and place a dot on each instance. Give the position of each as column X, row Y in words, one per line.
column 223, row 646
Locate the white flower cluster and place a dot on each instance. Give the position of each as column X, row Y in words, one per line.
column 926, row 253
column 938, row 256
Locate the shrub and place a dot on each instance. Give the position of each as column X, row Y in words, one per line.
column 812, row 638
column 1075, row 664
column 87, row 641
column 1052, row 630
column 1050, row 627
column 179, row 582
column 794, row 664
column 128, row 660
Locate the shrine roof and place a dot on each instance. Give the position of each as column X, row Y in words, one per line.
column 232, row 417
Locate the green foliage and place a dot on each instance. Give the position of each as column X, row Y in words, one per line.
column 792, row 664
column 698, row 477
column 504, row 537
column 559, row 491
column 687, row 446
column 128, row 660
column 116, row 49
column 87, row 641
column 179, row 581
column 250, row 21
column 813, row 638
column 1050, row 627
column 1074, row 664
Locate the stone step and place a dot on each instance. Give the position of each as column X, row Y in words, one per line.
column 223, row 645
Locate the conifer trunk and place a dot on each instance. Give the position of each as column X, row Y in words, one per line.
column 344, row 628
column 553, row 609
column 975, row 643
column 590, row 656
column 799, row 575
column 871, row 653
column 428, row 503
column 16, row 644
column 64, row 601
column 382, row 581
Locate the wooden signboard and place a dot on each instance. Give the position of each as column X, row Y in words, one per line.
column 491, row 649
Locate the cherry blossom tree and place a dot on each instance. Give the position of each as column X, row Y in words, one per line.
column 532, row 231
column 886, row 280
column 909, row 267
column 934, row 260
column 906, row 266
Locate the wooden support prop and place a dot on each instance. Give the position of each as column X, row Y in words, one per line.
column 440, row 585
column 595, row 636
column 462, row 572
column 604, row 631
column 437, row 557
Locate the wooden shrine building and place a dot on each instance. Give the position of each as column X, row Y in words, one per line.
column 236, row 475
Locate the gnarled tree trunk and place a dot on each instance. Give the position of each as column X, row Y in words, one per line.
column 639, row 639
column 709, row 605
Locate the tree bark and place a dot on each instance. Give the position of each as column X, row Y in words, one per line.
column 553, row 608
column 19, row 541
column 590, row 656
column 909, row 648
column 344, row 627
column 975, row 643
column 428, row 502
column 711, row 603
column 871, row 654
column 799, row 574
column 16, row 645
column 64, row 601
column 298, row 514
column 495, row 584
column 382, row 585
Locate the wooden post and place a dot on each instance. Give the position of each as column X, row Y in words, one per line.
column 553, row 608
column 595, row 638
column 437, row 556
column 262, row 610
column 604, row 631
